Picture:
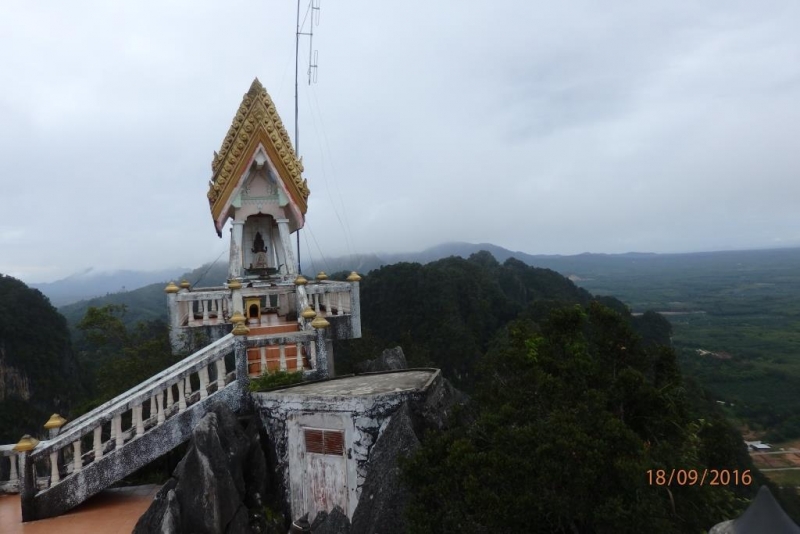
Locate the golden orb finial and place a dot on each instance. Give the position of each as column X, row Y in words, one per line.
column 185, row 284
column 300, row 280
column 308, row 313
column 234, row 284
column 320, row 322
column 27, row 443
column 322, row 276
column 171, row 288
column 353, row 277
column 55, row 421
column 238, row 318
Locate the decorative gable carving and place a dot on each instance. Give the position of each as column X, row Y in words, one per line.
column 256, row 123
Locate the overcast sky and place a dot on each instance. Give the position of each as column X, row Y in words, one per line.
column 546, row 127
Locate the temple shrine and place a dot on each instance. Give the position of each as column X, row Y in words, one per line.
column 257, row 185
column 266, row 318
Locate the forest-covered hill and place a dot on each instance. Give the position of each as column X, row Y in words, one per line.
column 735, row 314
column 551, row 369
column 39, row 373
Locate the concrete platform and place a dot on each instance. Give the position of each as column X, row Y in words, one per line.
column 366, row 384
column 114, row 511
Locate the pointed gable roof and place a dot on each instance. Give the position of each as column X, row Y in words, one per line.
column 256, row 123
column 765, row 515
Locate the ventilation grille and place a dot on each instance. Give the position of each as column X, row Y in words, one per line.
column 325, row 441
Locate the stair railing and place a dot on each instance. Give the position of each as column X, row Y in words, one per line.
column 132, row 414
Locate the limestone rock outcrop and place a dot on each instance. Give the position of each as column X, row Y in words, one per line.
column 381, row 507
column 335, row 522
column 389, row 360
column 221, row 478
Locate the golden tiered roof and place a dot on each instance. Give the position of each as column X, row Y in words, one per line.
column 256, row 122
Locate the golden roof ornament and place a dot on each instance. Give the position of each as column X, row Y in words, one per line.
column 353, row 277
column 240, row 330
column 27, row 443
column 171, row 288
column 185, row 284
column 300, row 280
column 238, row 318
column 55, row 421
column 308, row 313
column 320, row 322
column 322, row 276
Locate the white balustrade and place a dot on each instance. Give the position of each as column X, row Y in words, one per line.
column 155, row 393
column 10, row 485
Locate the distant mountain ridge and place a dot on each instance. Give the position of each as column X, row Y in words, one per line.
column 589, row 269
column 91, row 283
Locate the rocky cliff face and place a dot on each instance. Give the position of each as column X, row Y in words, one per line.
column 219, row 485
column 13, row 382
column 38, row 371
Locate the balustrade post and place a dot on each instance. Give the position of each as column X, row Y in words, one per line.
column 55, row 476
column 160, row 406
column 242, row 375
column 220, row 373
column 355, row 304
column 315, row 296
column 170, row 400
column 203, row 382
column 119, row 439
column 319, row 325
column 262, row 352
column 77, row 458
column 98, row 443
column 138, row 422
column 282, row 353
column 27, row 486
column 300, row 365
column 12, row 470
column 181, row 396
column 204, row 303
column 300, row 292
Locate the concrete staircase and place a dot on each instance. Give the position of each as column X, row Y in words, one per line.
column 119, row 437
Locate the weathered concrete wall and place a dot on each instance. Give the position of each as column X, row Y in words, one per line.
column 365, row 416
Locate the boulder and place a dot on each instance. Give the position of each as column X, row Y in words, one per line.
column 435, row 412
column 389, row 360
column 381, row 507
column 335, row 522
column 222, row 475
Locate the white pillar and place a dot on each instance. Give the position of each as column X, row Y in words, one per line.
column 235, row 261
column 288, row 255
column 77, row 458
column 55, row 477
column 12, row 473
column 98, row 442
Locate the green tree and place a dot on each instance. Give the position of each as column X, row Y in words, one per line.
column 571, row 415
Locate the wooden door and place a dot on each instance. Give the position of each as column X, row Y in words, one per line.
column 325, row 474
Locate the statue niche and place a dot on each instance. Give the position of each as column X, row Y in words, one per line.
column 260, row 251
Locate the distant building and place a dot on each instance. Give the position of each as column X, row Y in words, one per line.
column 758, row 446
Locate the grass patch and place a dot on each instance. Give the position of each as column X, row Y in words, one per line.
column 274, row 380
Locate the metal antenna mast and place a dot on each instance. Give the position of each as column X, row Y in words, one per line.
column 313, row 8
